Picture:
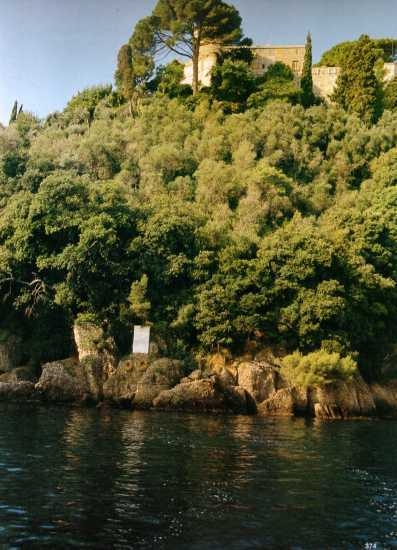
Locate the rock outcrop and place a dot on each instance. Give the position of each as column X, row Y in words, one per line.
column 261, row 380
column 203, row 395
column 91, row 342
column 63, row 381
column 282, row 403
column 80, row 379
column 120, row 387
column 17, row 391
column 343, row 400
column 337, row 400
column 161, row 375
column 243, row 387
column 221, row 385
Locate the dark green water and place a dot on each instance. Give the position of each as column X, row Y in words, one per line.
column 110, row 479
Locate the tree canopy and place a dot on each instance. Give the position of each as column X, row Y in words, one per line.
column 358, row 88
column 336, row 56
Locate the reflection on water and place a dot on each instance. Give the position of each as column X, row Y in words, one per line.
column 110, row 479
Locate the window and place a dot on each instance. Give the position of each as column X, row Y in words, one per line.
column 295, row 66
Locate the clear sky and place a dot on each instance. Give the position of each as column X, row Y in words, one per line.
column 50, row 49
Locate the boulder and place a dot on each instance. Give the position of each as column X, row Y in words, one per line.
column 260, row 380
column 120, row 388
column 281, row 403
column 205, row 395
column 10, row 391
column 343, row 400
column 162, row 374
column 63, row 381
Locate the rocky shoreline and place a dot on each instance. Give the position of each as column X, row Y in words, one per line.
column 235, row 386
column 242, row 387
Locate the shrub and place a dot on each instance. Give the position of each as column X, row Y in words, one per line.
column 317, row 368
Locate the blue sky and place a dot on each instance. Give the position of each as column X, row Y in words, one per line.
column 50, row 49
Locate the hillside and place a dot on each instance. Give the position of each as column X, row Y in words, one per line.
column 269, row 227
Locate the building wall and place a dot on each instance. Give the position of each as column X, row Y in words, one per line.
column 325, row 78
column 264, row 56
column 324, row 81
column 208, row 59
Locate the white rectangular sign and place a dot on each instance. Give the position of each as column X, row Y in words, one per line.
column 141, row 339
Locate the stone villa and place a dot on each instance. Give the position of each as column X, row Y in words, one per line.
column 324, row 78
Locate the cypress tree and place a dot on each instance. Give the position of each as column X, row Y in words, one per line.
column 14, row 112
column 125, row 74
column 307, row 80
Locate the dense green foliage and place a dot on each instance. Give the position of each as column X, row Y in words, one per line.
column 273, row 226
column 168, row 81
column 277, row 84
column 233, row 83
column 359, row 90
column 336, row 56
column 390, row 94
column 81, row 108
column 318, row 368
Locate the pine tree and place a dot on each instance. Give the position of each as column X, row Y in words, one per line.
column 358, row 89
column 183, row 26
column 307, row 80
column 14, row 112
